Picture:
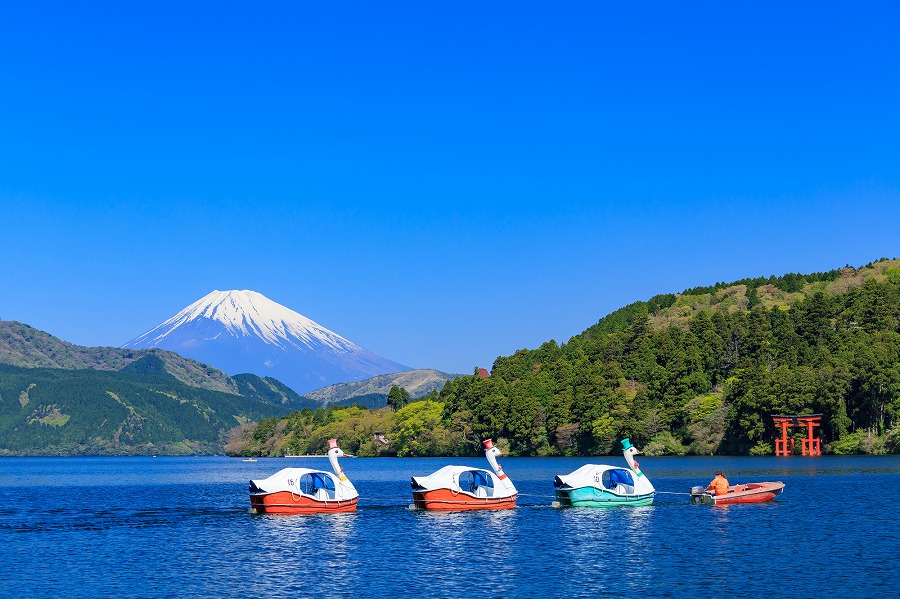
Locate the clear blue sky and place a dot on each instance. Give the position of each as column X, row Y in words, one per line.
column 440, row 183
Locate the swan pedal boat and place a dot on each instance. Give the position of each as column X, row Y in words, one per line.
column 304, row 490
column 599, row 485
column 747, row 493
column 461, row 488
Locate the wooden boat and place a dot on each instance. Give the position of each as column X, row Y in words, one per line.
column 746, row 493
column 599, row 485
column 459, row 488
column 305, row 491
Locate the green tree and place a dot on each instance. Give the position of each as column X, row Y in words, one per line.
column 397, row 397
column 418, row 430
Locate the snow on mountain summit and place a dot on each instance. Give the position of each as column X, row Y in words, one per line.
column 248, row 313
column 244, row 331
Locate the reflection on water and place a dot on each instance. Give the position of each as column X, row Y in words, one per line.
column 180, row 527
column 451, row 542
column 302, row 555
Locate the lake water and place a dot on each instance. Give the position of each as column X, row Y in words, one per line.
column 180, row 527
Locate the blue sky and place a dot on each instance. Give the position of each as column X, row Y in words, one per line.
column 440, row 184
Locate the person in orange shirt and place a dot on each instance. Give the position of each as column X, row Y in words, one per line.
column 719, row 484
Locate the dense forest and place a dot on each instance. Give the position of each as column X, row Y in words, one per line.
column 140, row 409
column 698, row 372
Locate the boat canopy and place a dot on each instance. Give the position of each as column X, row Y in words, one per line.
column 445, row 477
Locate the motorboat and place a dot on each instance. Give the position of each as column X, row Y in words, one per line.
column 305, row 491
column 466, row 488
column 598, row 485
column 746, row 493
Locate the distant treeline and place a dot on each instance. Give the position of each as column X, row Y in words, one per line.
column 699, row 372
column 791, row 282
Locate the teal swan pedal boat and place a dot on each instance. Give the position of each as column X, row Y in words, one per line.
column 598, row 485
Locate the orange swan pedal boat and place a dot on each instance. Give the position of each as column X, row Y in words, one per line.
column 305, row 491
column 458, row 488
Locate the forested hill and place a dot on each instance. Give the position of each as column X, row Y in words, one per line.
column 61, row 399
column 703, row 370
column 28, row 347
column 697, row 372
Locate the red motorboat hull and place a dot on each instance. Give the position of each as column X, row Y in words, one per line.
column 285, row 502
column 447, row 500
column 749, row 493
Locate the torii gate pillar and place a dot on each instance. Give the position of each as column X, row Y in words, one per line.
column 811, row 445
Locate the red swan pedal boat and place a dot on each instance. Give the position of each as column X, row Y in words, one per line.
column 460, row 488
column 305, row 491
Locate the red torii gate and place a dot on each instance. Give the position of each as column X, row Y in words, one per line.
column 811, row 445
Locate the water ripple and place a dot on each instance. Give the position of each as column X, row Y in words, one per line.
column 131, row 528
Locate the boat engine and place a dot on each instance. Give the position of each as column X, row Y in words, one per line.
column 696, row 494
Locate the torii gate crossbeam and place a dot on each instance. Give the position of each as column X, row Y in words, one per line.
column 811, row 445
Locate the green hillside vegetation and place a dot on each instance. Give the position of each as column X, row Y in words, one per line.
column 372, row 401
column 271, row 391
column 417, row 429
column 698, row 372
column 27, row 347
column 140, row 409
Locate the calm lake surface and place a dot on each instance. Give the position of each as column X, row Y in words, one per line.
column 180, row 527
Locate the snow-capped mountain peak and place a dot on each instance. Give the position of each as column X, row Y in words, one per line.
column 244, row 331
column 248, row 313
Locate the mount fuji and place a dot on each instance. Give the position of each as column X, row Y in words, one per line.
column 244, row 331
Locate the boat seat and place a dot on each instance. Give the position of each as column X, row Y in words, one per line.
column 481, row 492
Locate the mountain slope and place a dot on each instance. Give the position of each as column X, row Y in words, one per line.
column 243, row 331
column 57, row 398
column 373, row 392
column 140, row 409
column 272, row 391
column 27, row 347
